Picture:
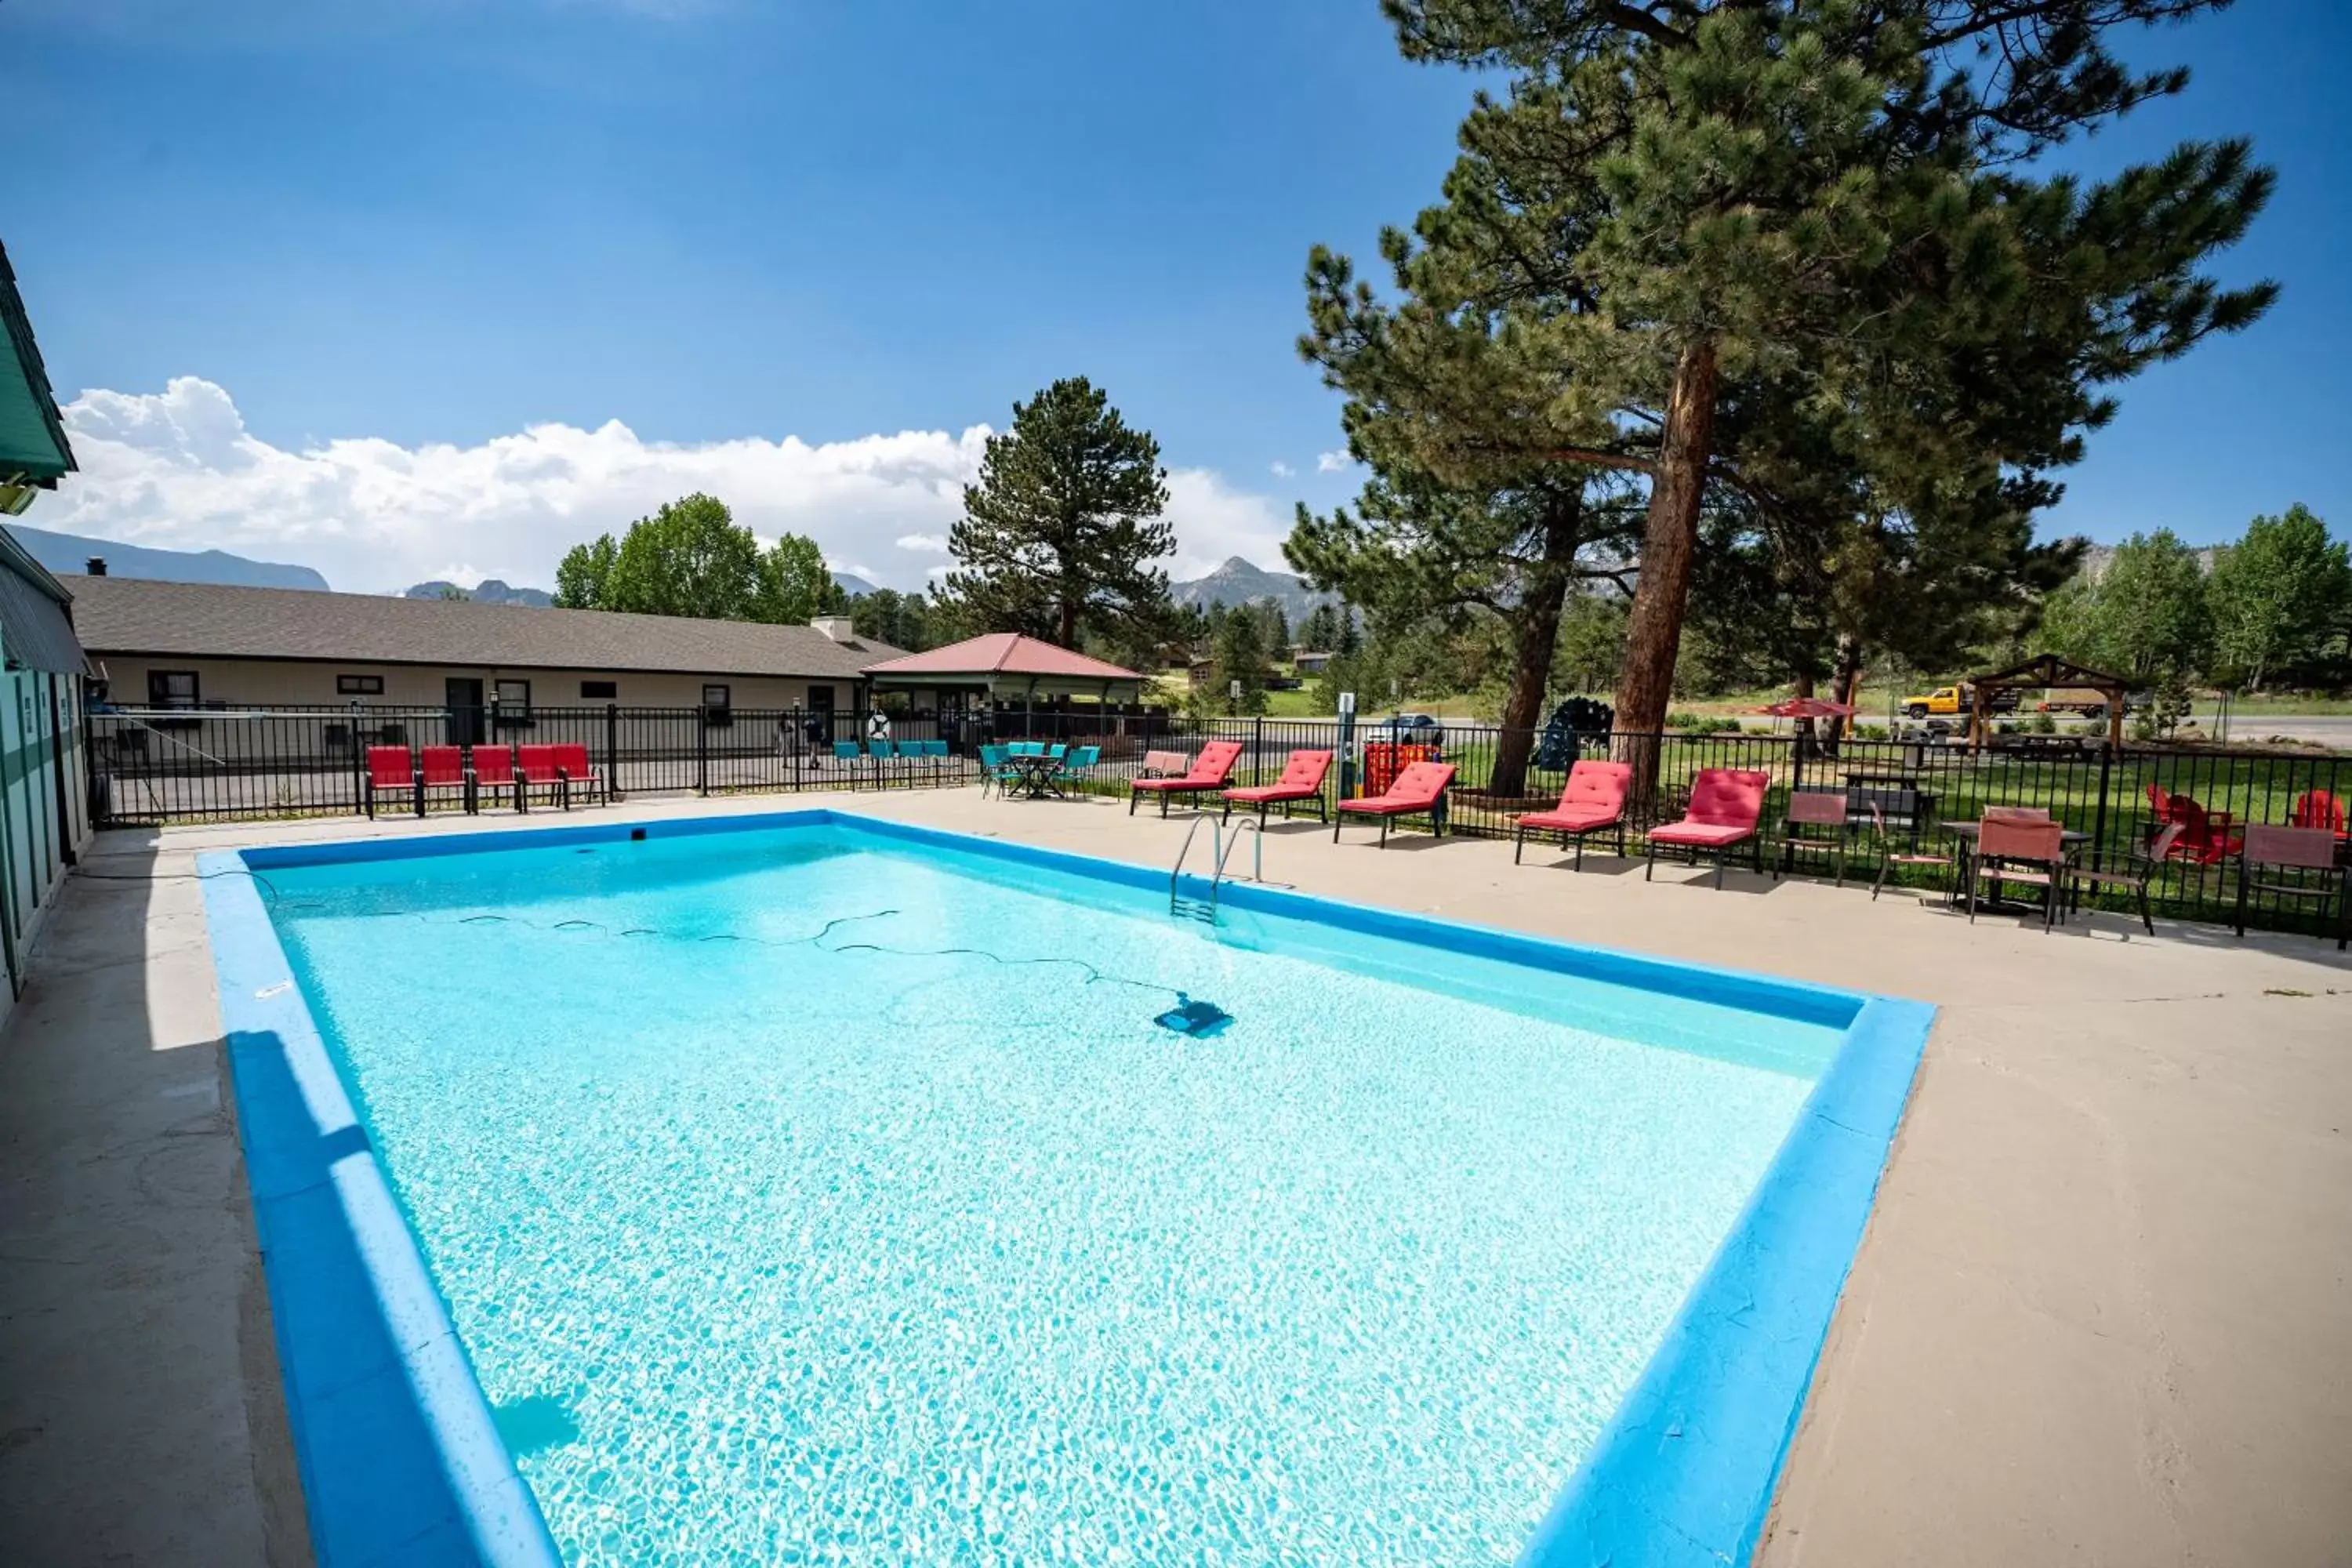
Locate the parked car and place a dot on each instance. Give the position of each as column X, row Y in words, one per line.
column 1413, row 730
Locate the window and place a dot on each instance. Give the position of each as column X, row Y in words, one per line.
column 172, row 688
column 714, row 697
column 606, row 689
column 716, row 708
column 358, row 686
column 513, row 699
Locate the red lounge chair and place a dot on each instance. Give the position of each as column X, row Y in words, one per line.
column 392, row 771
column 580, row 775
column 1209, row 773
column 444, row 769
column 493, row 772
column 1594, row 799
column 1419, row 788
column 1302, row 779
column 1726, row 804
column 536, row 764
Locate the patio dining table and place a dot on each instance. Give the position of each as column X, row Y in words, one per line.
column 2070, row 840
column 1038, row 774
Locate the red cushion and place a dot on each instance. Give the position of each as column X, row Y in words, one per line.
column 1276, row 791
column 1705, row 835
column 1583, row 818
column 1386, row 805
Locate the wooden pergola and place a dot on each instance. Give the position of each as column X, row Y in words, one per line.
column 2039, row 673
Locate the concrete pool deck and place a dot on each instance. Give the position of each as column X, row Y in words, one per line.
column 2099, row 1315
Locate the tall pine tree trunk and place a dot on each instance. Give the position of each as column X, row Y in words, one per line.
column 1538, row 636
column 1654, row 635
column 1846, row 684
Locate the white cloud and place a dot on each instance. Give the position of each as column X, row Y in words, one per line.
column 1283, row 471
column 178, row 470
column 1215, row 522
column 1331, row 462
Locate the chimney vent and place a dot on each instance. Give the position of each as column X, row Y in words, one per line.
column 95, row 567
column 840, row 628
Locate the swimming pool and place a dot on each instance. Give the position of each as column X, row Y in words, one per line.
column 800, row 1188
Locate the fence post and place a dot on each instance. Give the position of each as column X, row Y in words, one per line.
column 2099, row 828
column 613, row 751
column 701, row 751
column 359, row 764
column 1257, row 749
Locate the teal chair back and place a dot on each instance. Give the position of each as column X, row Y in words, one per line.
column 1081, row 759
column 845, row 751
column 880, row 749
column 1027, row 748
column 1057, row 752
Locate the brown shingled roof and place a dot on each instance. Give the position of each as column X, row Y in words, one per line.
column 199, row 620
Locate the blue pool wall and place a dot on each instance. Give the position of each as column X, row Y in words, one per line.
column 401, row 1464
column 1683, row 1475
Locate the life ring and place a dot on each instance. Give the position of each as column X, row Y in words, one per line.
column 877, row 726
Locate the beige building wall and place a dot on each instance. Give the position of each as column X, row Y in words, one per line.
column 273, row 683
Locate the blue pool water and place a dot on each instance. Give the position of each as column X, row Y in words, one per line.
column 801, row 1196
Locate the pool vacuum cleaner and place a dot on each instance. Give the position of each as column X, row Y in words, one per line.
column 1198, row 1019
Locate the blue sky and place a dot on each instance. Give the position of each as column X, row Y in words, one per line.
column 367, row 290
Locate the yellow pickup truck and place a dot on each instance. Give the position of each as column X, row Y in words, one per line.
column 1951, row 701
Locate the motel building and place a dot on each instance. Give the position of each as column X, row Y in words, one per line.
column 197, row 650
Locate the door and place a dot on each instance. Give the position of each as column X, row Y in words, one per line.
column 465, row 700
column 821, row 714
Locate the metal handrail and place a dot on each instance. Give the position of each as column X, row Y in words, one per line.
column 1176, row 871
column 1257, row 856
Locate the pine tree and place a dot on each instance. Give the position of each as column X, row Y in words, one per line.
column 1239, row 657
column 1058, row 535
column 1686, row 218
column 1415, row 548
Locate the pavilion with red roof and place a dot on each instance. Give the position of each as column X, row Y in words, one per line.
column 1010, row 668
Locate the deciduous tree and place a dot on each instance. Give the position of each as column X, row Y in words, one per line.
column 2279, row 595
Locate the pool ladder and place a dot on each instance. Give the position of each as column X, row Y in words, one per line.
column 1220, row 850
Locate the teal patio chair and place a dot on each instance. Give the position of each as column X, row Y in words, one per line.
column 992, row 769
column 1075, row 766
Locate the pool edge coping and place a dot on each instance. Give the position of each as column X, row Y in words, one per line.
column 1687, row 1467
column 430, row 1378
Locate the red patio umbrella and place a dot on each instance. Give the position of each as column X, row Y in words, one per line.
column 1807, row 708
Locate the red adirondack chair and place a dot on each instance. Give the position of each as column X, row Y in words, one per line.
column 1210, row 771
column 1419, row 788
column 1594, row 799
column 392, row 771
column 1302, row 779
column 1725, row 805
column 2318, row 808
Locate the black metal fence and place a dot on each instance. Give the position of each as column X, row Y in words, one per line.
column 208, row 766
column 153, row 767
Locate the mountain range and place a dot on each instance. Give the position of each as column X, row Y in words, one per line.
column 488, row 591
column 73, row 552
column 1238, row 583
